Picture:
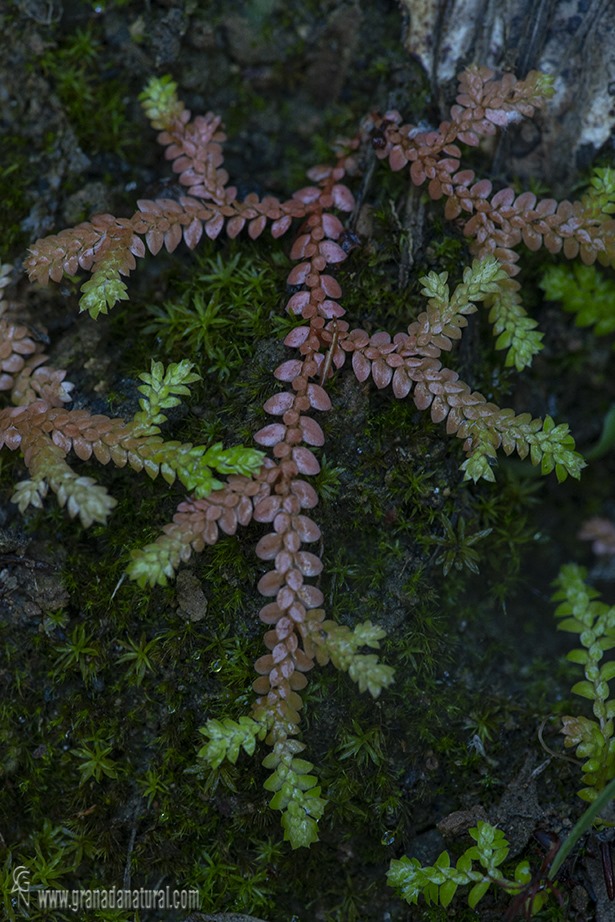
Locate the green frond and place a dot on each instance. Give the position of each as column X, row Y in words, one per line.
column 601, row 196
column 581, row 612
column 297, row 793
column 102, row 291
column 515, row 331
column 438, row 884
column 162, row 389
column 227, row 737
column 160, row 102
column 584, row 291
column 341, row 646
column 156, row 563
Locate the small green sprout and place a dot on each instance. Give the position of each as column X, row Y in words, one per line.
column 478, row 868
column 95, row 761
column 140, row 657
column 581, row 613
column 78, row 652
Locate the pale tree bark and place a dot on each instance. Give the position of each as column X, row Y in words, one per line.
column 574, row 40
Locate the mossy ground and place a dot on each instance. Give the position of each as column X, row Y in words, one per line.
column 105, row 685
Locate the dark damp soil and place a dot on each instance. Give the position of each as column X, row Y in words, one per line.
column 105, row 685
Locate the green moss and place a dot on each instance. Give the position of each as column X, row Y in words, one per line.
column 227, row 303
column 94, row 104
column 17, row 179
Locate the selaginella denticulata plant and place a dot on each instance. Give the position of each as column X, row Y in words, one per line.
column 275, row 489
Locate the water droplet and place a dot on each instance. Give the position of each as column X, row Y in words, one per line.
column 388, row 838
column 216, row 666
